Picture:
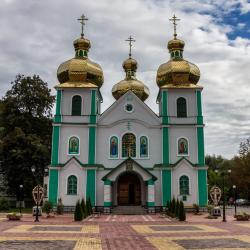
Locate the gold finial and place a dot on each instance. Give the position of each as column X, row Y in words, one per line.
column 82, row 20
column 174, row 19
column 130, row 40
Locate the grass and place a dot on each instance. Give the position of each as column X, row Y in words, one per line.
column 16, row 210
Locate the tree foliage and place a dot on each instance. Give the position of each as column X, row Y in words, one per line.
column 25, row 131
column 241, row 170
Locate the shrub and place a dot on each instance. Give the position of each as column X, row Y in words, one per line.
column 196, row 208
column 78, row 216
column 168, row 206
column 59, row 207
column 210, row 208
column 89, row 206
column 84, row 208
column 173, row 204
column 182, row 212
column 14, row 216
column 177, row 207
column 47, row 207
column 4, row 204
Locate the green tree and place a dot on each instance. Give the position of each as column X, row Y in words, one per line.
column 182, row 212
column 84, row 209
column 25, row 131
column 177, row 207
column 78, row 215
column 241, row 170
column 221, row 164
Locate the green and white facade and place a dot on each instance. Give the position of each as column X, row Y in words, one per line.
column 128, row 154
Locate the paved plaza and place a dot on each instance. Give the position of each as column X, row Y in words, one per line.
column 124, row 232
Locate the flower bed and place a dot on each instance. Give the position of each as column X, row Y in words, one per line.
column 242, row 217
column 14, row 216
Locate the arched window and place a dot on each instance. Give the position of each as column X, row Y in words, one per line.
column 73, row 145
column 129, row 145
column 143, row 146
column 76, row 105
column 184, row 185
column 181, row 107
column 113, row 148
column 72, row 185
column 182, row 146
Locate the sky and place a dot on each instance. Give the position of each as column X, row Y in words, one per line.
column 36, row 36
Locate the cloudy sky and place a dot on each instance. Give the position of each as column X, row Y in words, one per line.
column 36, row 36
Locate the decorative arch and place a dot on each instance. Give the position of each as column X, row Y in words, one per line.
column 181, row 107
column 182, row 146
column 113, row 147
column 72, row 185
column 76, row 107
column 73, row 145
column 129, row 145
column 184, row 185
column 143, row 146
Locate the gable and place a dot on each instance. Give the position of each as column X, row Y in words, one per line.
column 129, row 107
column 131, row 166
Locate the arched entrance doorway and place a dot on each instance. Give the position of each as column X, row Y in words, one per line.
column 128, row 189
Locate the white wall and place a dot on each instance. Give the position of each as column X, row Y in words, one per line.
column 183, row 168
column 82, row 132
column 188, row 132
column 73, row 168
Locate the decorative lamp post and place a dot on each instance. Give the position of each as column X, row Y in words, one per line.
column 235, row 197
column 20, row 197
column 223, row 173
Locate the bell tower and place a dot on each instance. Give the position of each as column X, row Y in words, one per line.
column 77, row 107
column 180, row 108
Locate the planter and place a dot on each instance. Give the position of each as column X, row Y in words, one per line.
column 242, row 217
column 14, row 216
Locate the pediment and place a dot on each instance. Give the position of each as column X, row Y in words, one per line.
column 129, row 165
column 119, row 112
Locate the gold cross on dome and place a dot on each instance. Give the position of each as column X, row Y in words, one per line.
column 174, row 19
column 130, row 40
column 82, row 20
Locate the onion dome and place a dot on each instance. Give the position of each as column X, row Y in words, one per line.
column 177, row 72
column 130, row 82
column 80, row 71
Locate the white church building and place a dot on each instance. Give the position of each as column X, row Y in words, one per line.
column 128, row 154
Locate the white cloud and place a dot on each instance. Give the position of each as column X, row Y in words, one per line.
column 38, row 35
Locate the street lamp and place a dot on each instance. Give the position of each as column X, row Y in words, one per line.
column 235, row 197
column 20, row 197
column 223, row 173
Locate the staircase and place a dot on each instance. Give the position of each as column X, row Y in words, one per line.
column 129, row 210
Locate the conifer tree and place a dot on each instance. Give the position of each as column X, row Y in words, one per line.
column 182, row 213
column 177, row 207
column 173, row 205
column 78, row 216
column 83, row 205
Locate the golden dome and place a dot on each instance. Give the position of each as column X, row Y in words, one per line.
column 80, row 71
column 177, row 72
column 130, row 64
column 130, row 82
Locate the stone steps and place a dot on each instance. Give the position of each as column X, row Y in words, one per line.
column 128, row 210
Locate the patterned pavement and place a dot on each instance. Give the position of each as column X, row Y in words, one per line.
column 108, row 232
